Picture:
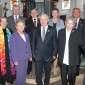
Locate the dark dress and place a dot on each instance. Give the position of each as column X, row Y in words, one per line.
column 8, row 77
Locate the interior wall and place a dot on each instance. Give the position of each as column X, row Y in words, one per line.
column 73, row 4
column 9, row 12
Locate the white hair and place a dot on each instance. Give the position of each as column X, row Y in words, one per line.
column 45, row 15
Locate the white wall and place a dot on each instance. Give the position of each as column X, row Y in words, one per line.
column 9, row 12
column 73, row 4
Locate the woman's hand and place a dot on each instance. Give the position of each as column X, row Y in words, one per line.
column 30, row 59
column 16, row 63
column 54, row 58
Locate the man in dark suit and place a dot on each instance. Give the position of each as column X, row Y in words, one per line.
column 31, row 23
column 13, row 18
column 69, row 42
column 44, row 49
column 80, row 25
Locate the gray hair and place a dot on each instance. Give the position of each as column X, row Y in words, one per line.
column 45, row 15
column 16, row 6
column 72, row 19
column 76, row 8
column 20, row 20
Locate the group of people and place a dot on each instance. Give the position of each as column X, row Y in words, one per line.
column 44, row 40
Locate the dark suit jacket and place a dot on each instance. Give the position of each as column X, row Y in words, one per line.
column 75, row 42
column 30, row 27
column 81, row 26
column 11, row 22
column 47, row 49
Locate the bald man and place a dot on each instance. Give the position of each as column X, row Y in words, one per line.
column 44, row 49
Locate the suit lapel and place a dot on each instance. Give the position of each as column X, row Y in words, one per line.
column 64, row 37
column 21, row 37
column 72, row 35
column 80, row 22
column 32, row 21
column 39, row 32
column 13, row 19
column 38, row 22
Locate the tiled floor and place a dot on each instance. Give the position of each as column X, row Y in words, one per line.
column 54, row 80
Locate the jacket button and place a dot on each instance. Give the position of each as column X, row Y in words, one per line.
column 26, row 52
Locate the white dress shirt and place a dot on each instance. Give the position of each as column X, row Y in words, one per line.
column 15, row 17
column 66, row 51
column 23, row 37
column 36, row 21
column 77, row 22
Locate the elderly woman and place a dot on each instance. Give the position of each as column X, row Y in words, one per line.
column 69, row 42
column 55, row 21
column 58, row 24
column 20, row 52
column 7, row 72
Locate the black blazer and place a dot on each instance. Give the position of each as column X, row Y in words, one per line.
column 75, row 42
column 30, row 27
column 81, row 26
column 47, row 49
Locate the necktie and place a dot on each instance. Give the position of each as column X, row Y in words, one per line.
column 16, row 19
column 43, row 33
column 35, row 22
column 76, row 26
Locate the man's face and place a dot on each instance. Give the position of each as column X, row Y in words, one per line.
column 76, row 13
column 16, row 11
column 69, row 25
column 34, row 13
column 44, row 20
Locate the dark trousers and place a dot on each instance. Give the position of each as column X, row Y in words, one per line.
column 29, row 68
column 71, row 71
column 39, row 69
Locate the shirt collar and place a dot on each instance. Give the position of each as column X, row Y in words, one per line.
column 33, row 19
column 17, row 16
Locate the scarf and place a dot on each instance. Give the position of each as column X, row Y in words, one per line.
column 2, row 52
column 13, row 72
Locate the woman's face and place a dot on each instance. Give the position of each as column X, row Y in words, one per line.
column 69, row 25
column 55, row 14
column 3, row 23
column 20, row 27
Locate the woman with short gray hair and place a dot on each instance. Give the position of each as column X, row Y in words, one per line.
column 57, row 24
column 72, row 19
column 20, row 52
column 69, row 42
